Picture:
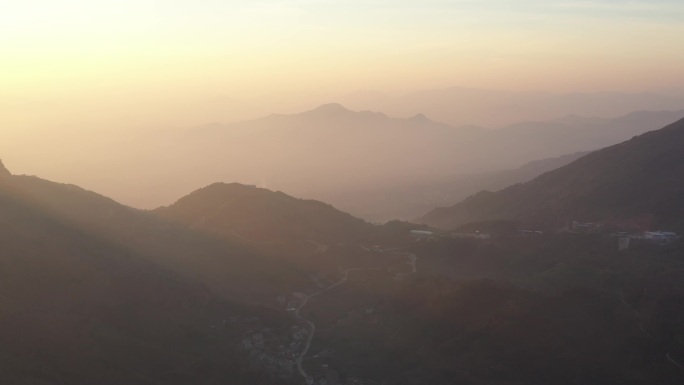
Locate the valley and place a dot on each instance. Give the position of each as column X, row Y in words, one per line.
column 298, row 292
column 301, row 192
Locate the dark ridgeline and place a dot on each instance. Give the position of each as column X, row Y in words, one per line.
column 237, row 210
column 225, row 265
column 79, row 308
column 635, row 184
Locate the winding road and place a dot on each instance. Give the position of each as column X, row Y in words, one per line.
column 641, row 327
column 673, row 361
column 312, row 327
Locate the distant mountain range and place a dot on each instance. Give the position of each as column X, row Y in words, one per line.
column 331, row 154
column 498, row 108
column 406, row 201
column 637, row 184
column 334, row 154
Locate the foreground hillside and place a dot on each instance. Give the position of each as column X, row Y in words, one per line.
column 555, row 309
column 224, row 264
column 638, row 183
column 96, row 292
column 78, row 309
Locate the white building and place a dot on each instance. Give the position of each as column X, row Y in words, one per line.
column 660, row 236
column 422, row 233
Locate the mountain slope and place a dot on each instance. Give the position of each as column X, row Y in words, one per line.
column 258, row 214
column 225, row 265
column 330, row 149
column 76, row 308
column 408, row 200
column 334, row 154
column 639, row 182
column 333, row 147
column 461, row 105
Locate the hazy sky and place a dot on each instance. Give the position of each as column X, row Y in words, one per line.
column 73, row 65
column 146, row 49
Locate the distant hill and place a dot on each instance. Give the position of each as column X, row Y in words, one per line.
column 239, row 211
column 406, row 201
column 638, row 183
column 327, row 147
column 498, row 108
column 332, row 147
column 332, row 153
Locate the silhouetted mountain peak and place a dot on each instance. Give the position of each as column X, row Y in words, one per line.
column 336, row 111
column 330, row 109
column 420, row 118
column 218, row 192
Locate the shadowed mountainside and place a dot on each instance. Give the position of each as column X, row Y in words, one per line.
column 332, row 153
column 98, row 292
column 263, row 215
column 406, row 201
column 227, row 266
column 637, row 183
column 77, row 308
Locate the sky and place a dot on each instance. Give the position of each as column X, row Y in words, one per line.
column 84, row 66
column 84, row 50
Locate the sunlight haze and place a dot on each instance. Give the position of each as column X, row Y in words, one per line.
column 341, row 192
column 78, row 76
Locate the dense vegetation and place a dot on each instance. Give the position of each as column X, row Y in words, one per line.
column 518, row 310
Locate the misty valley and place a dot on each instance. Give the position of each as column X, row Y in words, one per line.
column 575, row 276
column 341, row 192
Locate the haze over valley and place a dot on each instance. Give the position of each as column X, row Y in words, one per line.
column 341, row 193
column 308, row 155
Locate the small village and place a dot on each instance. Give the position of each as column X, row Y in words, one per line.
column 625, row 238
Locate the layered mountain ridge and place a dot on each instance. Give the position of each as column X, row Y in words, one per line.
column 638, row 183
